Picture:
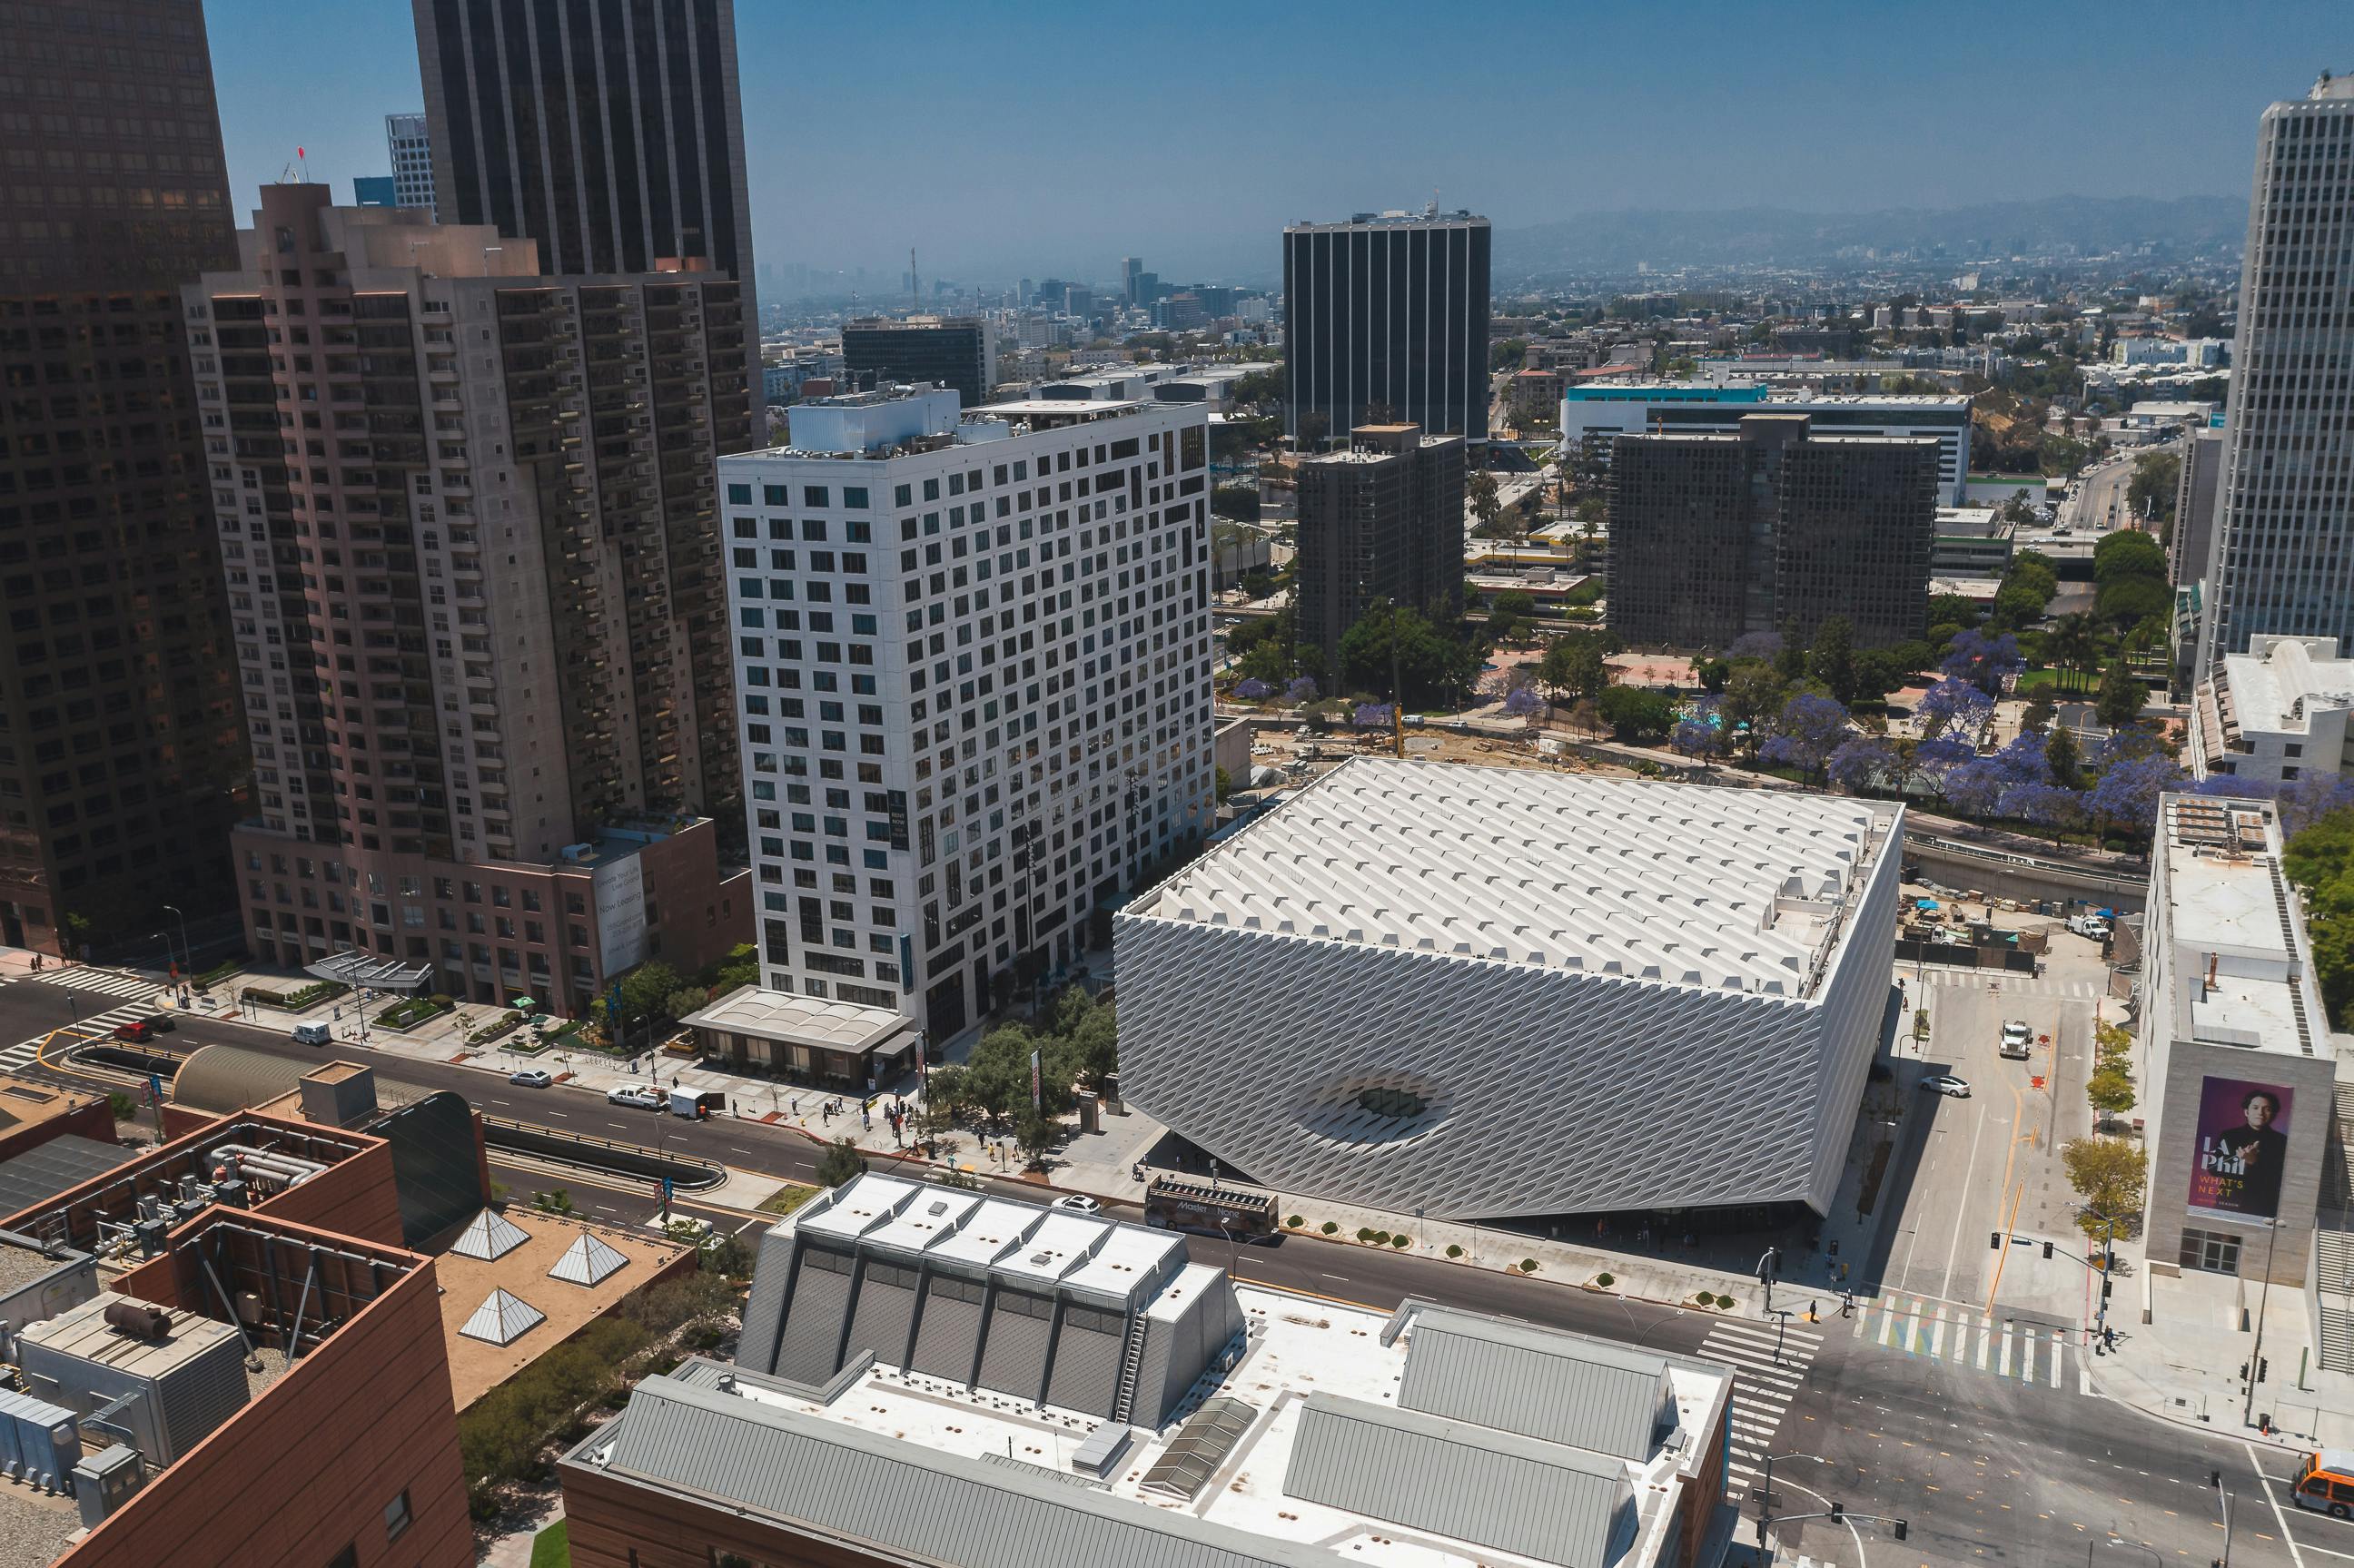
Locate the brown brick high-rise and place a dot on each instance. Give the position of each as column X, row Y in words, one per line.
column 122, row 760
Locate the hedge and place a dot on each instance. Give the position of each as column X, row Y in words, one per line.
column 311, row 995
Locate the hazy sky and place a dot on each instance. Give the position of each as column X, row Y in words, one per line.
column 1042, row 138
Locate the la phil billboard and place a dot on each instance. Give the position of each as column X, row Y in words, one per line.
column 2243, row 1145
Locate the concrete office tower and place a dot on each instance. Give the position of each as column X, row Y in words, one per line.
column 1773, row 529
column 2195, row 497
column 411, row 147
column 1386, row 320
column 122, row 762
column 610, row 133
column 2282, row 559
column 1381, row 521
column 1131, row 272
column 973, row 660
column 467, row 516
column 955, row 352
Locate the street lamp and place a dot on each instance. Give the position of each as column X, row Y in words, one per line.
column 187, row 955
column 2215, row 1480
column 2257, row 1357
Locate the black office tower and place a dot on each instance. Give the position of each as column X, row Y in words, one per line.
column 1382, row 520
column 959, row 352
column 1774, row 529
column 609, row 131
column 1385, row 321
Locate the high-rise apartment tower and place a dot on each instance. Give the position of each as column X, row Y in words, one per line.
column 973, row 660
column 468, row 521
column 610, row 133
column 122, row 762
column 1385, row 321
column 1382, row 520
column 2283, row 559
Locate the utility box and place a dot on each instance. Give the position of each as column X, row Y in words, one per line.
column 1090, row 1112
column 183, row 1382
column 105, row 1481
column 340, row 1093
column 37, row 1439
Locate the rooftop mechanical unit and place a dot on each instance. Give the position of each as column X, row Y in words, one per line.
column 170, row 1386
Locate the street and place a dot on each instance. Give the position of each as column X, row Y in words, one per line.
column 1974, row 1425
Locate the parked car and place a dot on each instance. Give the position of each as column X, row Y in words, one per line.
column 160, row 1022
column 1947, row 1084
column 1077, row 1203
column 2017, row 1039
column 636, row 1097
column 137, row 1029
column 532, row 1077
column 313, row 1034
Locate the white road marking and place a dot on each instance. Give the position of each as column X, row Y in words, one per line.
column 2281, row 1519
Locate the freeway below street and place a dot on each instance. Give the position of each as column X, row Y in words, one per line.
column 1977, row 1428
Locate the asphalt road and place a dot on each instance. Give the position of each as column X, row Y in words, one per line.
column 1984, row 1468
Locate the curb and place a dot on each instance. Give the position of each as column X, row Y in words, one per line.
column 2207, row 1429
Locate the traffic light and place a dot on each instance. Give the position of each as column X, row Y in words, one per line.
column 1994, row 1241
column 1838, row 1513
column 2107, row 1286
column 2264, row 1365
column 2047, row 1249
column 2243, row 1371
column 1903, row 1529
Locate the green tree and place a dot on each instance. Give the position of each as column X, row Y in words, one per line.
column 1237, row 502
column 1037, row 1136
column 1226, row 786
column 1638, row 713
column 2121, row 697
column 2156, row 477
column 1434, row 669
column 2073, row 644
column 648, row 991
column 838, row 1163
column 1832, row 660
column 1575, row 665
column 2067, row 763
column 2108, row 1174
column 1480, row 490
column 1510, row 612
column 2110, row 1091
column 2320, row 860
column 1754, row 691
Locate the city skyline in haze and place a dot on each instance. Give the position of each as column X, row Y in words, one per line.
column 1056, row 138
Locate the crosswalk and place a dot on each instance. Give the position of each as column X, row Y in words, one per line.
column 2006, row 1348
column 1768, row 1362
column 93, row 1026
column 89, row 981
column 2009, row 984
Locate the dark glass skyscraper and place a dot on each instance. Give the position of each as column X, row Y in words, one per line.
column 122, row 763
column 1385, row 321
column 609, row 131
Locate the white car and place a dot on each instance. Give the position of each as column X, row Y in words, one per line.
column 636, row 1097
column 1077, row 1203
column 532, row 1077
column 1947, row 1084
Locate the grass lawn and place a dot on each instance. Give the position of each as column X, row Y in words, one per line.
column 552, row 1547
column 2035, row 681
column 786, row 1198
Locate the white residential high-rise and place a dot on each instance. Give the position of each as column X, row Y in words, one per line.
column 2283, row 555
column 973, row 669
column 412, row 146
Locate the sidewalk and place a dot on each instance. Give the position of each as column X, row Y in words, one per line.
column 2183, row 1364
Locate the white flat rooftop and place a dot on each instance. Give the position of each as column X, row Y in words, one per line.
column 1679, row 883
column 2226, row 899
column 1298, row 1346
column 802, row 1020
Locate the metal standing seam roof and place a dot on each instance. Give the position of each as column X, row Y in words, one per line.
column 64, row 1162
column 869, row 1488
column 1681, row 884
column 1471, row 1483
column 1582, row 1393
column 227, row 1078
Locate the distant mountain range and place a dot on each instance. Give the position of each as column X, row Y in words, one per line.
column 2084, row 226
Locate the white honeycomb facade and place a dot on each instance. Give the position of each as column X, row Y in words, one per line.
column 1487, row 992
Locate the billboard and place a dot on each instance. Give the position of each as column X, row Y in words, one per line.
column 2243, row 1145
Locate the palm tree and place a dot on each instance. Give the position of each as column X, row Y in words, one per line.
column 2075, row 643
